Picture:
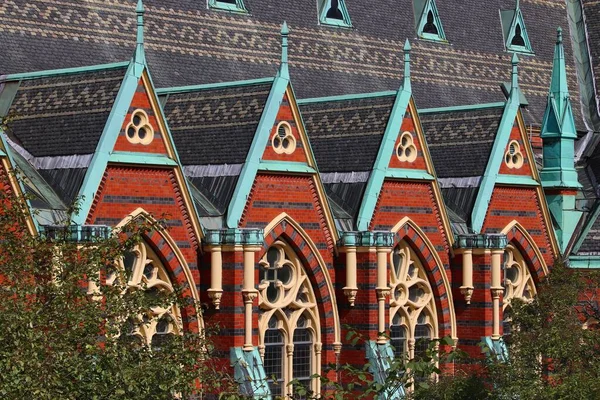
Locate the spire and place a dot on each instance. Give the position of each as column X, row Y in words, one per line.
column 406, row 84
column 559, row 176
column 558, row 87
column 283, row 69
column 140, row 57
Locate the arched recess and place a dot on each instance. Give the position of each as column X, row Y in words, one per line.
column 285, row 227
column 175, row 265
column 408, row 231
column 518, row 236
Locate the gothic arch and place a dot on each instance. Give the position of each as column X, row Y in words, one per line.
column 408, row 231
column 518, row 236
column 174, row 262
column 285, row 227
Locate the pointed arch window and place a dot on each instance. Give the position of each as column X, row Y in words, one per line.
column 412, row 306
column 428, row 22
column 228, row 5
column 142, row 269
column 334, row 12
column 289, row 327
column 516, row 38
column 518, row 284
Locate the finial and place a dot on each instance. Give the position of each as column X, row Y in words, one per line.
column 517, row 6
column 559, row 38
column 407, row 49
column 140, row 24
column 515, row 72
column 283, row 70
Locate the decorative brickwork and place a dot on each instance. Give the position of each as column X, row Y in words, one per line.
column 523, row 205
column 285, row 114
column 408, row 145
column 141, row 101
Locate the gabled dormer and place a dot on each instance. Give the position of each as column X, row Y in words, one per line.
column 228, row 5
column 334, row 12
column 516, row 38
column 428, row 22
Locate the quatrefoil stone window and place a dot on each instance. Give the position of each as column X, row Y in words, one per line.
column 277, row 274
column 139, row 130
column 514, row 157
column 406, row 151
column 283, row 141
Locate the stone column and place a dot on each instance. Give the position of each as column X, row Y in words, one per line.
column 467, row 287
column 250, row 294
column 216, row 276
column 496, row 289
column 383, row 291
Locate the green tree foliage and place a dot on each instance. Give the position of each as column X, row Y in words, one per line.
column 553, row 348
column 66, row 334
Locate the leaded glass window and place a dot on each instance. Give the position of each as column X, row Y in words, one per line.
column 289, row 320
column 142, row 269
column 518, row 283
column 274, row 357
column 412, row 306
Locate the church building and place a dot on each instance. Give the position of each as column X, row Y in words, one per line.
column 403, row 167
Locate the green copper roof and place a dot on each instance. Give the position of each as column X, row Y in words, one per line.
column 380, row 169
column 492, row 169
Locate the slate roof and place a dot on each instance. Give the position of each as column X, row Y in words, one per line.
column 215, row 126
column 591, row 243
column 345, row 135
column 591, row 10
column 187, row 43
column 63, row 114
column 460, row 142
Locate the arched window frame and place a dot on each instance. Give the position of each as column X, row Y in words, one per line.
column 144, row 270
column 296, row 300
column 407, row 272
column 518, row 283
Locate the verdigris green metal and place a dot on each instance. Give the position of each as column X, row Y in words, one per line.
column 481, row 241
column 516, row 180
column 64, row 71
column 261, row 137
column 325, row 5
column 586, row 229
column 185, row 89
column 348, row 97
column 469, row 107
column 286, row 166
column 233, row 236
column 7, row 95
column 510, row 20
column 405, row 173
column 11, row 161
column 367, row 238
column 584, row 262
column 488, row 180
column 111, row 130
column 238, row 7
column 422, row 10
column 381, row 357
column 249, row 373
column 380, row 169
column 126, row 157
column 558, row 135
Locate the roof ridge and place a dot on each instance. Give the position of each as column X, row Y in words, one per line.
column 217, row 85
column 63, row 71
column 466, row 107
column 344, row 97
